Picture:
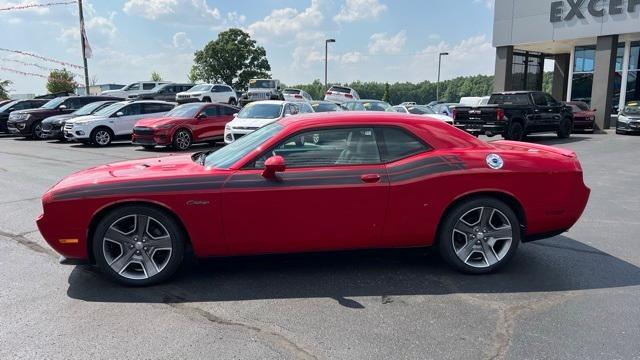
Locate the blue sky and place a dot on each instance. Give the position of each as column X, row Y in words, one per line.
column 377, row 40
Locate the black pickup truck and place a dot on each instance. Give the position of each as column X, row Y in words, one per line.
column 515, row 114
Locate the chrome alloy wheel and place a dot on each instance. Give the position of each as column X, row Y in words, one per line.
column 482, row 237
column 183, row 140
column 102, row 137
column 137, row 246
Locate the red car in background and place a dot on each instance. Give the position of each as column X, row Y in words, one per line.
column 184, row 125
column 385, row 180
column 583, row 117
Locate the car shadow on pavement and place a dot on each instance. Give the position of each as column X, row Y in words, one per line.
column 556, row 264
column 552, row 139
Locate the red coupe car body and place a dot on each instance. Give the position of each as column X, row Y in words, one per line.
column 206, row 124
column 238, row 211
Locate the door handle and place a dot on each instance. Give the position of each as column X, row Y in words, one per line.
column 370, row 178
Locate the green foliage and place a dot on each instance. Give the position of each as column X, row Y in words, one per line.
column 385, row 96
column 193, row 75
column 233, row 58
column 547, row 82
column 155, row 76
column 4, row 93
column 61, row 80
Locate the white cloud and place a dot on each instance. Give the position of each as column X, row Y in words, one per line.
column 94, row 25
column 354, row 57
column 354, row 10
column 382, row 43
column 182, row 12
column 181, row 40
column 490, row 4
column 287, row 21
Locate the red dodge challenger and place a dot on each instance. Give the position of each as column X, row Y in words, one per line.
column 184, row 125
column 383, row 180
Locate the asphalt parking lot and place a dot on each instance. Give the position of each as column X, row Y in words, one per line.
column 574, row 296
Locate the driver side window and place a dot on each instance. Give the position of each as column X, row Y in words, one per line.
column 326, row 147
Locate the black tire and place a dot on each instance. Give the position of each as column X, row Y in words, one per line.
column 36, row 131
column 206, row 99
column 564, row 128
column 232, row 101
column 515, row 132
column 182, row 140
column 101, row 136
column 171, row 262
column 447, row 237
column 148, row 147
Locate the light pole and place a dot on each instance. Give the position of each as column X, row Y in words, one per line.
column 326, row 59
column 438, row 83
column 84, row 54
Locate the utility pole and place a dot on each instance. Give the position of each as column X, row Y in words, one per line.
column 438, row 83
column 326, row 59
column 84, row 55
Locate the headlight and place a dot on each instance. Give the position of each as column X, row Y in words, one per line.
column 18, row 116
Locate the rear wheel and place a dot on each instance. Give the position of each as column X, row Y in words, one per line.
column 232, row 101
column 138, row 245
column 101, row 136
column 182, row 140
column 564, row 128
column 515, row 131
column 479, row 235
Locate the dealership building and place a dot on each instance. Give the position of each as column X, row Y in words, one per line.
column 595, row 46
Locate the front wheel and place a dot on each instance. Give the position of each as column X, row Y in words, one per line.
column 232, row 102
column 479, row 235
column 564, row 129
column 182, row 140
column 101, row 137
column 138, row 245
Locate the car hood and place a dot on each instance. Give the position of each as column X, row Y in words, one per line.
column 154, row 122
column 131, row 172
column 38, row 111
column 241, row 122
column 59, row 119
column 86, row 117
column 191, row 93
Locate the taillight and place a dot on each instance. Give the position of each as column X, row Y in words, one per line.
column 349, row 96
column 298, row 96
column 328, row 93
column 454, row 113
column 500, row 114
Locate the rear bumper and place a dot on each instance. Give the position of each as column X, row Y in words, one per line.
column 480, row 128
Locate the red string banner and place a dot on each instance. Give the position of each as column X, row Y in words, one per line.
column 37, row 66
column 25, row 53
column 35, row 5
column 26, row 73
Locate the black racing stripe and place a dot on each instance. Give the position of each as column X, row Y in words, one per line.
column 417, row 163
column 423, row 171
column 259, row 182
column 312, row 174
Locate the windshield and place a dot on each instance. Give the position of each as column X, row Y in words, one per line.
column 109, row 110
column 201, row 87
column 632, row 109
column 260, row 111
column 291, row 91
column 184, row 111
column 91, row 108
column 262, row 84
column 235, row 151
column 419, row 110
column 325, row 107
column 377, row 106
column 52, row 104
column 6, row 106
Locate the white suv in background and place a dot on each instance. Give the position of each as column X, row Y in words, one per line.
column 209, row 93
column 340, row 94
column 140, row 87
column 291, row 94
column 114, row 121
column 257, row 114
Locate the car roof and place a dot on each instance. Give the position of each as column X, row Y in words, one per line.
column 369, row 117
column 364, row 100
column 277, row 102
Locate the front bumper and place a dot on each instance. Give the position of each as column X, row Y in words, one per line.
column 52, row 131
column 236, row 133
column 629, row 127
column 75, row 133
column 70, row 243
column 17, row 128
column 487, row 128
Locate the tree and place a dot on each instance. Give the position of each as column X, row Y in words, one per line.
column 385, row 96
column 61, row 81
column 193, row 75
column 4, row 93
column 155, row 76
column 233, row 58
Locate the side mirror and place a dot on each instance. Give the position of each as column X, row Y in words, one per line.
column 62, row 107
column 201, row 116
column 273, row 165
column 119, row 113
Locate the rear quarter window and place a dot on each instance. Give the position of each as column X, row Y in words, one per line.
column 398, row 144
column 509, row 99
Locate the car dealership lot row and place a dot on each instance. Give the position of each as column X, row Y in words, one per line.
column 572, row 296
